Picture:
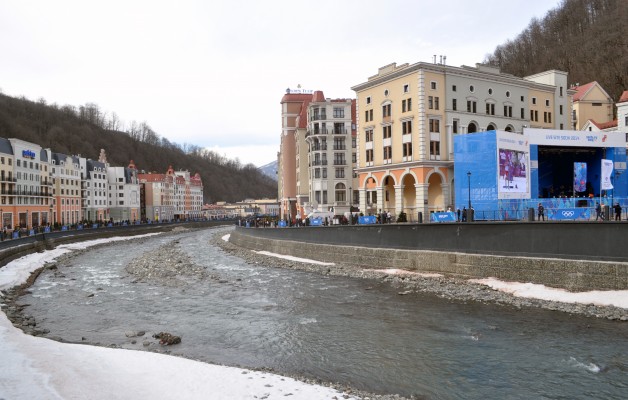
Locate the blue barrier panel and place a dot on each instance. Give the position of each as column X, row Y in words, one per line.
column 31, row 232
column 282, row 224
column 95, row 226
column 15, row 235
column 248, row 225
column 124, row 224
column 566, row 214
column 79, row 227
column 316, row 222
column 109, row 225
column 367, row 219
column 443, row 216
column 64, row 228
column 47, row 229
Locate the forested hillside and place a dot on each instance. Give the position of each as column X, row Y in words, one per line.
column 85, row 130
column 586, row 38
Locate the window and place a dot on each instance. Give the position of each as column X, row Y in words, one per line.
column 324, row 170
column 433, row 85
column 455, row 126
column 386, row 110
column 341, row 193
column 561, row 127
column 534, row 100
column 18, row 163
column 406, row 127
column 560, row 109
column 508, row 111
column 368, row 115
column 430, row 102
column 490, row 91
column 407, row 149
column 454, row 104
column 387, row 152
column 453, row 88
column 472, row 106
column 406, row 88
column 436, row 103
column 434, row 125
column 325, row 196
column 434, row 148
column 534, row 115
column 593, row 104
column 369, row 155
column 368, row 135
column 508, row 93
column 386, row 130
column 490, row 108
column 522, row 98
column 547, row 103
column 339, row 112
column 368, row 100
column 406, row 105
column 340, row 172
column 471, row 88
column 522, row 113
column 561, row 91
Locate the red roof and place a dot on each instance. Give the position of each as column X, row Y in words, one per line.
column 581, row 91
column 624, row 97
column 605, row 125
column 318, row 96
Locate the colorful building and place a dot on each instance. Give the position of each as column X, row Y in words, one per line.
column 408, row 116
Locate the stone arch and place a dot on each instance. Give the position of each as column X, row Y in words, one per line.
column 472, row 127
column 389, row 194
column 409, row 181
column 370, row 182
column 491, row 127
column 509, row 128
column 435, row 196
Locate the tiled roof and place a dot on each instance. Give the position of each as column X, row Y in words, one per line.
column 5, row 146
column 624, row 97
column 294, row 98
column 605, row 125
column 318, row 96
column 581, row 91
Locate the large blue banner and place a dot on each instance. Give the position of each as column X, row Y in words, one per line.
column 443, row 216
column 579, row 176
column 367, row 219
column 282, row 223
column 567, row 214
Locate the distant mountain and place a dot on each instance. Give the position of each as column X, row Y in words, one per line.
column 86, row 129
column 269, row 170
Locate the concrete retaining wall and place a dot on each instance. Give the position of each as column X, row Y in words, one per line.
column 575, row 275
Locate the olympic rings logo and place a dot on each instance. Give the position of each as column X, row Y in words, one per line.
column 568, row 213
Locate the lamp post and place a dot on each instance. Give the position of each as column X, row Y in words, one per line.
column 469, row 182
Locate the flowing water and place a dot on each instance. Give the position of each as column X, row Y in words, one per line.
column 352, row 331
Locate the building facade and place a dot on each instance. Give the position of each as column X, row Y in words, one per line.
column 66, row 177
column 407, row 116
column 124, row 193
column 94, row 189
column 591, row 102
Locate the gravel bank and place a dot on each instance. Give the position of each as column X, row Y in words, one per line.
column 446, row 287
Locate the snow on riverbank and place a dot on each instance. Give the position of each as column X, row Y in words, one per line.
column 617, row 298
column 39, row 368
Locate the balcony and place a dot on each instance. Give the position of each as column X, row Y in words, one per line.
column 7, row 179
column 318, row 117
column 340, row 162
column 340, row 131
column 340, row 147
column 319, row 162
column 319, row 148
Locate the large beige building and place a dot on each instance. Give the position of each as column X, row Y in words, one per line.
column 407, row 116
column 591, row 102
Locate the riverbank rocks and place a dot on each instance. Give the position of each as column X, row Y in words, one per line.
column 167, row 266
column 167, row 339
column 407, row 282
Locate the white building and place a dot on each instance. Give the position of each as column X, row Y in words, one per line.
column 124, row 193
column 94, row 189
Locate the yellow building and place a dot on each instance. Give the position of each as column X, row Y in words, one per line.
column 407, row 116
column 591, row 102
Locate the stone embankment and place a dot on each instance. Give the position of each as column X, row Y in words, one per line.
column 455, row 289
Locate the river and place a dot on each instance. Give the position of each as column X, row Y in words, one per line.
column 352, row 331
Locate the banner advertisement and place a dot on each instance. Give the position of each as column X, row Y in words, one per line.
column 607, row 171
column 569, row 214
column 444, row 216
column 316, row 222
column 367, row 219
column 513, row 159
column 579, row 177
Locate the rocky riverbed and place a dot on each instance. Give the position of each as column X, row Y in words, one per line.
column 455, row 289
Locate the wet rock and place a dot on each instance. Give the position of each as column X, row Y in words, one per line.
column 167, row 339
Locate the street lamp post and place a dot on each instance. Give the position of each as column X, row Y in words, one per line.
column 469, row 182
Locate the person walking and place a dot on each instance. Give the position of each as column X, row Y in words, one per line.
column 598, row 211
column 541, row 212
column 464, row 214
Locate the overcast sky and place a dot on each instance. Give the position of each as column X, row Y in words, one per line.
column 212, row 73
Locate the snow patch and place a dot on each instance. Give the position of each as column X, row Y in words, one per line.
column 291, row 258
